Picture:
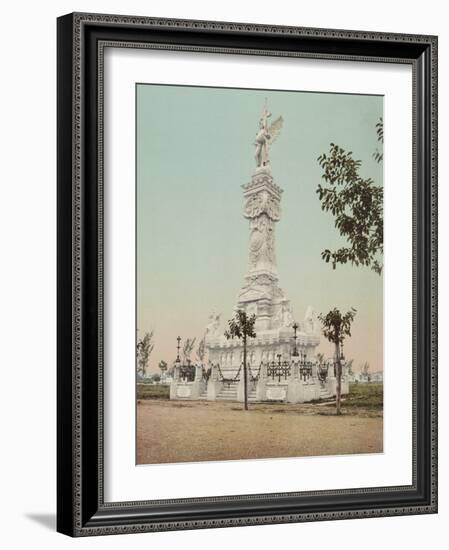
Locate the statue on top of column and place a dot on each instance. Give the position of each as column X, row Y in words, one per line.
column 265, row 136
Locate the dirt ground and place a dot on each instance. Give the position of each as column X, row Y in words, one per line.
column 183, row 431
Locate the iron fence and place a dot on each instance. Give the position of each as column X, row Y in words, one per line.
column 279, row 370
column 186, row 373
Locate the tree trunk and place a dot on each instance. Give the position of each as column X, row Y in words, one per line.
column 245, row 378
column 338, row 373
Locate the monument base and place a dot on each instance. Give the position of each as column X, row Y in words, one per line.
column 289, row 382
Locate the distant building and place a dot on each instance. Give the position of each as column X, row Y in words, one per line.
column 166, row 379
column 365, row 378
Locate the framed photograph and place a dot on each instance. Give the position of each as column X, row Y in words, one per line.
column 247, row 277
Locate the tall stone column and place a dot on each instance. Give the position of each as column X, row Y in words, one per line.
column 261, row 294
column 262, row 209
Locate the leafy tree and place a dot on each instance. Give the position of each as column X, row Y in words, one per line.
column 349, row 367
column 156, row 378
column 189, row 344
column 336, row 327
column 242, row 327
column 379, row 155
column 201, row 350
column 365, row 371
column 357, row 206
column 144, row 348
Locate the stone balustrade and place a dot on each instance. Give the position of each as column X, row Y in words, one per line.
column 290, row 382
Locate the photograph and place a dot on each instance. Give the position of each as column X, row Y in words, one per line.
column 259, row 273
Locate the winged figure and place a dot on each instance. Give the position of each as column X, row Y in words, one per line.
column 265, row 137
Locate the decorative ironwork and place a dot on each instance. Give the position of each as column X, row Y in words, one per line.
column 187, row 373
column 295, row 349
column 178, row 360
column 229, row 380
column 276, row 370
column 322, row 371
column 305, row 369
column 281, row 369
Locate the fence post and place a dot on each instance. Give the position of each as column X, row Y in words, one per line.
column 261, row 388
column 214, row 385
column 174, row 382
column 295, row 393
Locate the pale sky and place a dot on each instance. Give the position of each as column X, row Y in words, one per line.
column 194, row 152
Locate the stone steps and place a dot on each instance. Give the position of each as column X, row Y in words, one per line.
column 252, row 396
column 228, row 394
column 324, row 394
column 231, row 395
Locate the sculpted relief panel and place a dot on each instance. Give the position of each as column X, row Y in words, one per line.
column 262, row 203
column 261, row 243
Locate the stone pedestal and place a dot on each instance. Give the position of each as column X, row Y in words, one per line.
column 213, row 389
column 214, row 385
column 331, row 385
column 311, row 390
column 295, row 392
column 182, row 389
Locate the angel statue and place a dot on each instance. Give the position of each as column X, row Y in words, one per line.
column 265, row 137
column 311, row 321
column 213, row 324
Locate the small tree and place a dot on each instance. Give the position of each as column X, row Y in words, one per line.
column 189, row 344
column 144, row 348
column 201, row 350
column 242, row 327
column 365, row 371
column 336, row 326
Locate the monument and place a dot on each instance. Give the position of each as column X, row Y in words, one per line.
column 261, row 294
column 281, row 359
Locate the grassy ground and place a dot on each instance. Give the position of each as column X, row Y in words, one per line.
column 153, row 391
column 368, row 396
column 186, row 431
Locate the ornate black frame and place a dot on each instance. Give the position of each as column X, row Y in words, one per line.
column 81, row 508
